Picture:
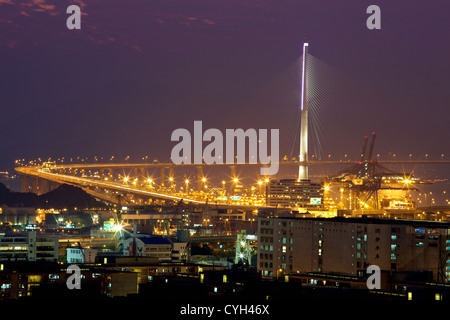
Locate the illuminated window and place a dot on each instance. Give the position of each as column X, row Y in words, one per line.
column 5, row 286
column 53, row 276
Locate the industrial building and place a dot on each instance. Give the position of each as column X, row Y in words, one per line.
column 164, row 248
column 18, row 215
column 349, row 245
column 291, row 193
column 48, row 280
column 29, row 246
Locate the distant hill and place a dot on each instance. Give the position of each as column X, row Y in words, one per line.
column 3, row 189
column 65, row 196
column 17, row 199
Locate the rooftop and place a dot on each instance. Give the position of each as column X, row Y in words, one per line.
column 370, row 220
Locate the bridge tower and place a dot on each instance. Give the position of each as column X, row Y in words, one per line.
column 303, row 166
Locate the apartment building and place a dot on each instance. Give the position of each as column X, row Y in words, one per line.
column 350, row 245
column 162, row 247
column 29, row 246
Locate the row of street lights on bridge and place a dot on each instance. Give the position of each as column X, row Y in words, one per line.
column 235, row 182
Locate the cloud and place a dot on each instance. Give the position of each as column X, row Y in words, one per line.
column 28, row 6
column 207, row 21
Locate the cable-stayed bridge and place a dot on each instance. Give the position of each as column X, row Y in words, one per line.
column 108, row 181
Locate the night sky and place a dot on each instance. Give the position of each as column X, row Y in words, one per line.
column 137, row 70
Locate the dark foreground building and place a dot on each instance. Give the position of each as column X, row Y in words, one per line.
column 349, row 246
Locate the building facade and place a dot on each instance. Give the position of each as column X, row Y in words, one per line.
column 75, row 255
column 161, row 247
column 18, row 215
column 49, row 281
column 29, row 246
column 350, row 245
column 291, row 193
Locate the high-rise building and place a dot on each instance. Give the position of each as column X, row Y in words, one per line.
column 350, row 245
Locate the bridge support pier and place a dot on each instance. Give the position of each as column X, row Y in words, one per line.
column 44, row 186
column 34, row 185
column 162, row 177
column 143, row 173
column 200, row 177
column 111, row 174
column 25, row 184
column 53, row 185
column 172, row 173
column 233, row 184
column 233, row 172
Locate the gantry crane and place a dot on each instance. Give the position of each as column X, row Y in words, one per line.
column 363, row 179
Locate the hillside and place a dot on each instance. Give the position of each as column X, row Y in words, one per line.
column 65, row 196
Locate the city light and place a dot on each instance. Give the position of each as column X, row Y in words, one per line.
column 178, row 214
column 117, row 227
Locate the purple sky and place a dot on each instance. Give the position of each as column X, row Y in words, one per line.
column 137, row 70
